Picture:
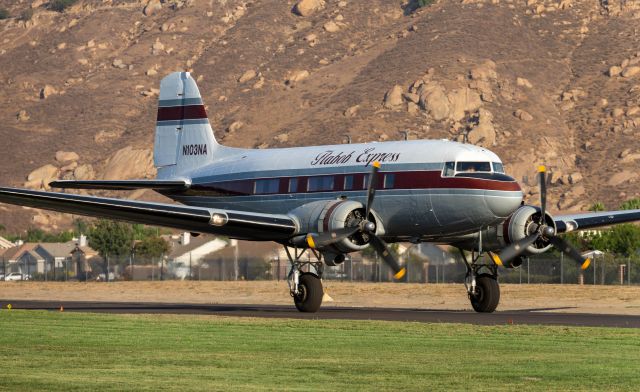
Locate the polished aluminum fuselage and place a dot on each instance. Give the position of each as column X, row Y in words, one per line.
column 421, row 203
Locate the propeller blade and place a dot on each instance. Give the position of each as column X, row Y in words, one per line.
column 543, row 193
column 383, row 250
column 570, row 251
column 371, row 190
column 320, row 240
column 516, row 248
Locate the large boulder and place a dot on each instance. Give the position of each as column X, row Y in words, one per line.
column 461, row 101
column 47, row 91
column 434, row 100
column 247, row 76
column 41, row 177
column 393, row 98
column 631, row 71
column 485, row 71
column 308, row 7
column 620, row 178
column 66, row 156
column 129, row 163
column 152, row 7
column 84, row 172
column 484, row 133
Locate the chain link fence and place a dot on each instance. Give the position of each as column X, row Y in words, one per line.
column 540, row 269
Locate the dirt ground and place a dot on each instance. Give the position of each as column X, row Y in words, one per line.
column 556, row 298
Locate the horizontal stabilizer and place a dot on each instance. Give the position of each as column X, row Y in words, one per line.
column 123, row 185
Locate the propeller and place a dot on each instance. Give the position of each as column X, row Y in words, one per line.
column 542, row 231
column 321, row 240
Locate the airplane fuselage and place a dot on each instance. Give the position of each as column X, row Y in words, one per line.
column 428, row 189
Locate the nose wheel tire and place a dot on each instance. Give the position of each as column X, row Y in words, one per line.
column 309, row 297
column 487, row 295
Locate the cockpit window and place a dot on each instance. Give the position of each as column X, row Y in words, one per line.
column 449, row 169
column 473, row 167
column 498, row 168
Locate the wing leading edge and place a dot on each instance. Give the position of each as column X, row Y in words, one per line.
column 566, row 223
column 236, row 224
column 121, row 185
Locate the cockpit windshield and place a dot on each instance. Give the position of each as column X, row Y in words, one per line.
column 498, row 168
column 454, row 168
column 473, row 167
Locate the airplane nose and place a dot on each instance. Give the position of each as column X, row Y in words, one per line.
column 502, row 204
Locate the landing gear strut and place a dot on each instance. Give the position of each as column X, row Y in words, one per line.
column 305, row 286
column 481, row 282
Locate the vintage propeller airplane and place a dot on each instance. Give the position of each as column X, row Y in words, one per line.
column 332, row 199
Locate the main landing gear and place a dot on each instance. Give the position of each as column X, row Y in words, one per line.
column 305, row 286
column 481, row 282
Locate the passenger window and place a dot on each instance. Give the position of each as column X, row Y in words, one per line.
column 472, row 167
column 498, row 168
column 365, row 181
column 323, row 183
column 348, row 183
column 270, row 185
column 449, row 169
column 389, row 179
column 293, row 185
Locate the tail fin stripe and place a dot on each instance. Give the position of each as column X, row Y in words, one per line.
column 179, row 102
column 181, row 113
column 200, row 121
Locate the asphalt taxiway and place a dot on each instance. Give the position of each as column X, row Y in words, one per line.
column 541, row 316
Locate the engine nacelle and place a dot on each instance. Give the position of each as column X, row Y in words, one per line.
column 325, row 216
column 519, row 225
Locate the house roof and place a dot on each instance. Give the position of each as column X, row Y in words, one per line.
column 246, row 249
column 55, row 249
column 12, row 253
column 5, row 243
column 177, row 249
column 87, row 250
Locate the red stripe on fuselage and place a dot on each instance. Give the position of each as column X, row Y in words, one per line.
column 403, row 180
column 191, row 112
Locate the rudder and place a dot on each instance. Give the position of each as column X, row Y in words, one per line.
column 184, row 139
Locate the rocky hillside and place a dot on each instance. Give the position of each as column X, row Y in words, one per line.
column 537, row 81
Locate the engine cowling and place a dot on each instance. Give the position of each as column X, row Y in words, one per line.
column 519, row 225
column 326, row 216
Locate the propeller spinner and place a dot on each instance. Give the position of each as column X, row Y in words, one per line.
column 542, row 231
column 321, row 240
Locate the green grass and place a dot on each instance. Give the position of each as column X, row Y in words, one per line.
column 74, row 351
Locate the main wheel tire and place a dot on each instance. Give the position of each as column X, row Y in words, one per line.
column 487, row 294
column 310, row 293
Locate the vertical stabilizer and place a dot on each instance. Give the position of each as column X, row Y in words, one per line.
column 184, row 139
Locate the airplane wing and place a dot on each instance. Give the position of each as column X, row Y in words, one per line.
column 235, row 224
column 566, row 223
column 122, row 185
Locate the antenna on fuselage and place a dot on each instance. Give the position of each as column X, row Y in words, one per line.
column 406, row 133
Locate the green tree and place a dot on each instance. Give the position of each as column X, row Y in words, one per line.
column 110, row 238
column 80, row 226
column 623, row 240
column 633, row 204
column 152, row 247
column 597, row 206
